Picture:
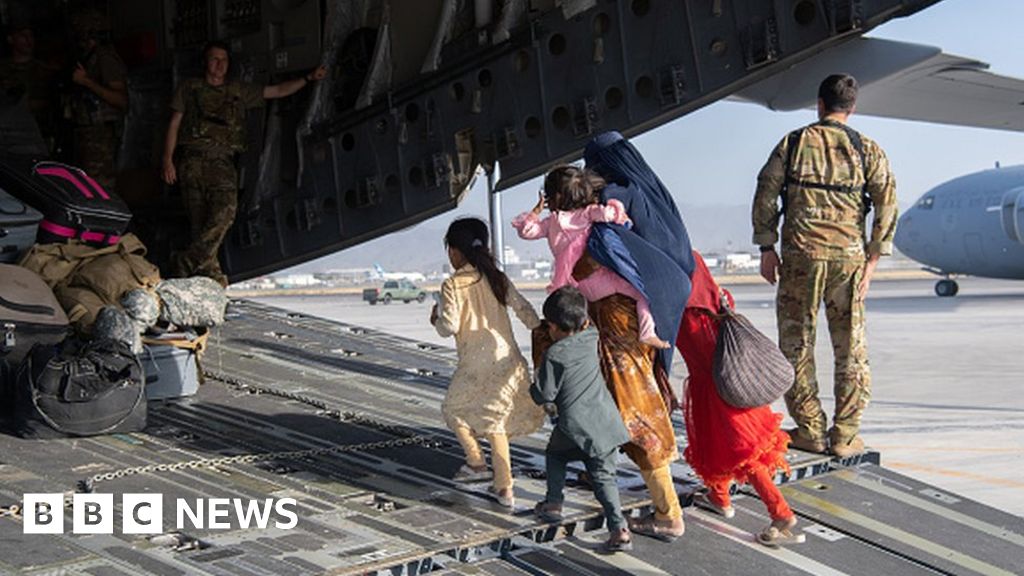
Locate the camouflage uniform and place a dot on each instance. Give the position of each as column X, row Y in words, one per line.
column 212, row 132
column 98, row 124
column 824, row 248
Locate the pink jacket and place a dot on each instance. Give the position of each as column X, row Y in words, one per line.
column 567, row 234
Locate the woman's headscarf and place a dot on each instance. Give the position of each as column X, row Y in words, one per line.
column 654, row 255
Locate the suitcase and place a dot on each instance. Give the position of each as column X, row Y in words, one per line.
column 73, row 204
column 18, row 225
column 171, row 364
column 29, row 313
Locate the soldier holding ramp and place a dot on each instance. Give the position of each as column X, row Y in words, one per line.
column 212, row 111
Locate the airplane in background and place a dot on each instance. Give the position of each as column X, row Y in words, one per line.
column 971, row 225
column 380, row 274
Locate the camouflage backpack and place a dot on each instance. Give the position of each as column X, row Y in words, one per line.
column 793, row 142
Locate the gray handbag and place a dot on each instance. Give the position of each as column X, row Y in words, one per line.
column 749, row 369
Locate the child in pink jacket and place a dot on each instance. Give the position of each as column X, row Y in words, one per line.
column 574, row 206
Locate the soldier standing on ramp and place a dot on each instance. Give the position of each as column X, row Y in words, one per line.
column 828, row 177
column 212, row 110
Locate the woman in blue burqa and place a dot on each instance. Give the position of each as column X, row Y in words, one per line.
column 653, row 255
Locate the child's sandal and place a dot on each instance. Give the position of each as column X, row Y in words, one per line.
column 780, row 533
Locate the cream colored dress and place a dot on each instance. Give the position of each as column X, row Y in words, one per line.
column 490, row 389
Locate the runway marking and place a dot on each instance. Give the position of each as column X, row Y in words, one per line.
column 913, row 540
column 956, row 474
column 784, row 554
column 625, row 562
column 942, row 511
column 947, row 449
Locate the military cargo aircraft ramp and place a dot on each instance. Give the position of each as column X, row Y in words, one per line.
column 346, row 421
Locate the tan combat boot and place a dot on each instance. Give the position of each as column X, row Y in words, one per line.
column 799, row 442
column 847, row 448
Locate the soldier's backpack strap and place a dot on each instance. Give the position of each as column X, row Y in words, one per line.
column 792, row 142
column 856, row 141
column 858, row 146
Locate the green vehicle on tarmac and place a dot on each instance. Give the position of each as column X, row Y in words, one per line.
column 394, row 290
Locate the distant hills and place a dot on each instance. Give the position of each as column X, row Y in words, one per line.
column 712, row 229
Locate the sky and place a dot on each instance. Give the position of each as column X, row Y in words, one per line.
column 706, row 165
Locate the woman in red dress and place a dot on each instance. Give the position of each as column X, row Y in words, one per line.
column 726, row 444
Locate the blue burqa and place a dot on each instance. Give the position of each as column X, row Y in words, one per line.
column 654, row 254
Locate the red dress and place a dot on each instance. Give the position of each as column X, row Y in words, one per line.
column 724, row 443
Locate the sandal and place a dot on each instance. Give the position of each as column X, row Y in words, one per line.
column 704, row 502
column 548, row 512
column 468, row 473
column 664, row 530
column 618, row 541
column 780, row 533
column 505, row 496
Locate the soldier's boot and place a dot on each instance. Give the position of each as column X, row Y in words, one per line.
column 845, row 447
column 801, row 441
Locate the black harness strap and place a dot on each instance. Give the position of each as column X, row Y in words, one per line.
column 793, row 141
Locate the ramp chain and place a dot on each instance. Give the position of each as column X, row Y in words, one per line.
column 407, row 437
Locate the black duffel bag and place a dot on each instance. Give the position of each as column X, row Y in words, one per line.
column 749, row 369
column 79, row 389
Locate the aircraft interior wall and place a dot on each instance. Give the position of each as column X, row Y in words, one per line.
column 419, row 93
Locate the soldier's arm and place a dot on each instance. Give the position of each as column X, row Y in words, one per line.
column 115, row 93
column 289, row 87
column 170, row 143
column 881, row 186
column 765, row 212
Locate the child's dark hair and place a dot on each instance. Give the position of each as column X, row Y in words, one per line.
column 571, row 188
column 566, row 308
column 470, row 236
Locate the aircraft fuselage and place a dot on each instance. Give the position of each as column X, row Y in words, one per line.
column 970, row 225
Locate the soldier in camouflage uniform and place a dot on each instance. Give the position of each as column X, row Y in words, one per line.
column 98, row 100
column 208, row 119
column 828, row 176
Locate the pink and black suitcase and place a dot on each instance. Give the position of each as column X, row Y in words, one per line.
column 73, row 204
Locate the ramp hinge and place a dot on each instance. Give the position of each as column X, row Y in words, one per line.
column 845, row 15
column 761, row 43
column 672, row 85
column 585, row 117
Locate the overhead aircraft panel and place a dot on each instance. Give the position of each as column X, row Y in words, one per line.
column 903, row 80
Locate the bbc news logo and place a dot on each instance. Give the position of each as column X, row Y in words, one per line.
column 144, row 513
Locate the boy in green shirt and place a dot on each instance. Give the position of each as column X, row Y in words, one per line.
column 589, row 428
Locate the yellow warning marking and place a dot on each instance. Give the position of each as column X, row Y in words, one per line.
column 903, row 536
column 928, row 506
column 955, row 474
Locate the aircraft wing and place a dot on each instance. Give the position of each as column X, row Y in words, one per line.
column 902, row 80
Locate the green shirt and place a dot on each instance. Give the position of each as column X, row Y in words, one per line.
column 822, row 224
column 214, row 116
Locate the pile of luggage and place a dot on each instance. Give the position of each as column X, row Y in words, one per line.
column 90, row 332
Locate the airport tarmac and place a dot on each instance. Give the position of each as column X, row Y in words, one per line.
column 948, row 374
